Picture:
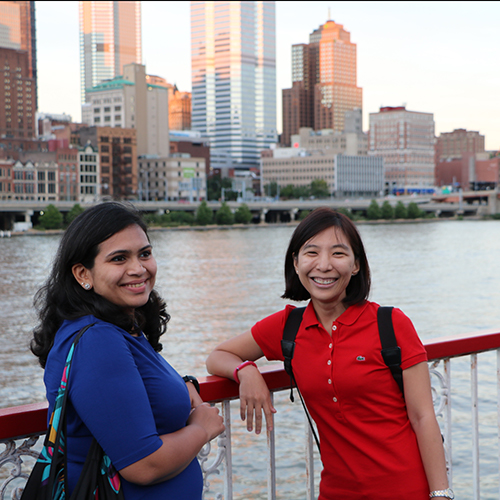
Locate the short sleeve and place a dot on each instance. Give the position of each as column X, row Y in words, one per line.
column 412, row 349
column 268, row 333
column 108, row 394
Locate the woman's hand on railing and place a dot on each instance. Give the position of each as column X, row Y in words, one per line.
column 208, row 418
column 255, row 399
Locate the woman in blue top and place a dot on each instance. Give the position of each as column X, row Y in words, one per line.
column 149, row 421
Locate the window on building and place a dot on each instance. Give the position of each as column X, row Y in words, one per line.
column 51, row 176
column 107, row 109
column 41, row 176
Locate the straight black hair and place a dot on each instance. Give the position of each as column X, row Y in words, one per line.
column 318, row 220
column 63, row 298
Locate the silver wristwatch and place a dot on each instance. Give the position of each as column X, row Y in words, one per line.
column 447, row 493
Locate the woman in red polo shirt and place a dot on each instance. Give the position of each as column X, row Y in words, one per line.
column 375, row 443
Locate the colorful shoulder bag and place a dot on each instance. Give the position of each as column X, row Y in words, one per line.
column 99, row 480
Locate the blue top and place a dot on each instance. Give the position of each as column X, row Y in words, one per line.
column 126, row 395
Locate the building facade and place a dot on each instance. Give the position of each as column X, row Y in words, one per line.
column 233, row 58
column 117, row 150
column 345, row 175
column 17, row 96
column 180, row 177
column 131, row 101
column 18, row 32
column 455, row 144
column 6, row 184
column 474, row 171
column 192, row 143
column 179, row 109
column 89, row 174
column 110, row 38
column 324, row 82
column 35, row 180
column 405, row 140
column 67, row 161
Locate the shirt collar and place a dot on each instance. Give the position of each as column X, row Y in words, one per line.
column 348, row 317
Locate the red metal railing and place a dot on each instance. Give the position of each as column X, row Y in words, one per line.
column 31, row 419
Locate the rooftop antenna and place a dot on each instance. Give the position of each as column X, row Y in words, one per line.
column 329, row 14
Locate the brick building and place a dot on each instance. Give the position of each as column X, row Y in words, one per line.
column 117, row 149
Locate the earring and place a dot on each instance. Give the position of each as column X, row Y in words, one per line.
column 86, row 286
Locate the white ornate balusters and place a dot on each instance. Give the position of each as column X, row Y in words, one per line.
column 223, row 455
column 12, row 455
column 440, row 387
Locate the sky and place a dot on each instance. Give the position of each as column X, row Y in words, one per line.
column 434, row 57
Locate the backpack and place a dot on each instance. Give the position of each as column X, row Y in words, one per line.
column 391, row 352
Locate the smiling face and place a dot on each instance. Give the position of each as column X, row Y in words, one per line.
column 124, row 270
column 325, row 265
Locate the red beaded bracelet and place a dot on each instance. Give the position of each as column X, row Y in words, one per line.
column 239, row 367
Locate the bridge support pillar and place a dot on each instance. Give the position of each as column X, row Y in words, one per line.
column 21, row 225
column 263, row 213
column 293, row 213
column 493, row 205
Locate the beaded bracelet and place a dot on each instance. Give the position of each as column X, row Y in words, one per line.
column 239, row 367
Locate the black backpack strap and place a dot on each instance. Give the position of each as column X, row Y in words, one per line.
column 391, row 352
column 292, row 326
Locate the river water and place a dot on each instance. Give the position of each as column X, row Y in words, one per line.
column 217, row 283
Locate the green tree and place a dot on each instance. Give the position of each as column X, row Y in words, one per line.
column 224, row 216
column 413, row 211
column 387, row 211
column 288, row 191
column 400, row 211
column 303, row 214
column 51, row 218
column 213, row 187
column 204, row 214
column 345, row 211
column 75, row 211
column 373, row 212
column 271, row 189
column 319, row 188
column 243, row 215
column 302, row 192
column 185, row 218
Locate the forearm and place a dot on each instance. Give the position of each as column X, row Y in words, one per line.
column 177, row 451
column 223, row 363
column 430, row 444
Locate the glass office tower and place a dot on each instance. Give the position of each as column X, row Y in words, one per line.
column 110, row 37
column 234, row 79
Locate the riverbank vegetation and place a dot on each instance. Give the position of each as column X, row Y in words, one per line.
column 52, row 219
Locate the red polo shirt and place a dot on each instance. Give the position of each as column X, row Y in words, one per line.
column 368, row 447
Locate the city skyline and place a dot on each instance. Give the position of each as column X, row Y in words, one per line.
column 443, row 62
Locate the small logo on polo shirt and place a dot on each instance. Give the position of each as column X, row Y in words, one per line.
column 360, row 358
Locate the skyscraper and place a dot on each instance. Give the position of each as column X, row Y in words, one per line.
column 110, row 37
column 324, row 82
column 18, row 32
column 18, row 90
column 234, row 79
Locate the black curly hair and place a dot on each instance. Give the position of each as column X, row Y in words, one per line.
column 62, row 298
